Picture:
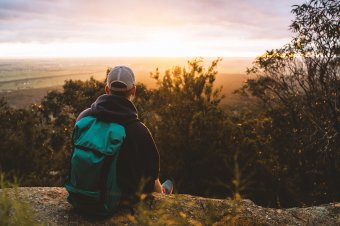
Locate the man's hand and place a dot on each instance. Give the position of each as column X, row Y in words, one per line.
column 158, row 186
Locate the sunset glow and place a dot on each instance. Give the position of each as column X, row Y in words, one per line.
column 166, row 28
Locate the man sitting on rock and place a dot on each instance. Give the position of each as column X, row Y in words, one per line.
column 114, row 157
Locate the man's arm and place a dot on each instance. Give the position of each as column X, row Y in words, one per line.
column 149, row 157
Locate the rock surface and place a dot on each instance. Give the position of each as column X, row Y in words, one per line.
column 51, row 208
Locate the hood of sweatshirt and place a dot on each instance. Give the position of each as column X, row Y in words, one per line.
column 114, row 108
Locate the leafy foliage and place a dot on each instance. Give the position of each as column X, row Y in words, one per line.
column 280, row 150
column 299, row 86
column 189, row 126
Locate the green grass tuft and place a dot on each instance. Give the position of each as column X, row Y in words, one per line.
column 12, row 210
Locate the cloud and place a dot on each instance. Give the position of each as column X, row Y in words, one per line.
column 112, row 21
column 255, row 19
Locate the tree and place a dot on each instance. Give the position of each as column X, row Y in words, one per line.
column 24, row 152
column 299, row 85
column 188, row 125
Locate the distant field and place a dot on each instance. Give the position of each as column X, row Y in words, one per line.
column 25, row 97
column 25, row 81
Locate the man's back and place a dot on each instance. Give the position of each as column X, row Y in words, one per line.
column 135, row 166
column 138, row 161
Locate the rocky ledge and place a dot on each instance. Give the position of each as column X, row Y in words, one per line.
column 50, row 208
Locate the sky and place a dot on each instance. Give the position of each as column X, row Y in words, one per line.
column 130, row 28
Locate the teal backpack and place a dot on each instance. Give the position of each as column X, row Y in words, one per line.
column 92, row 181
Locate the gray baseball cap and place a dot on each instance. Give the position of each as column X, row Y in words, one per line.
column 120, row 78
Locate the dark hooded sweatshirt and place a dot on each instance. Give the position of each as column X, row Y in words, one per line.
column 138, row 161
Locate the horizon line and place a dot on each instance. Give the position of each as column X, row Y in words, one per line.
column 107, row 57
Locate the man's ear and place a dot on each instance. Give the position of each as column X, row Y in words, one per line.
column 107, row 89
column 133, row 91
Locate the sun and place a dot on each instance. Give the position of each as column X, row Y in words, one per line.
column 166, row 43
